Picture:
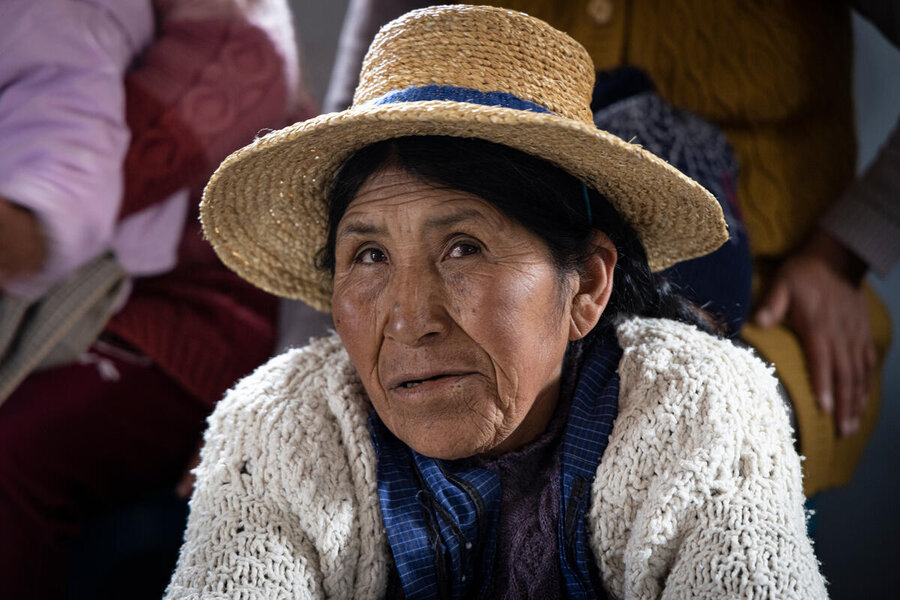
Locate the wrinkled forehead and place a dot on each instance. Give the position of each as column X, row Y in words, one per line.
column 392, row 194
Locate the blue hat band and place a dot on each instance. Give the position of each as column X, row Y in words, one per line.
column 457, row 94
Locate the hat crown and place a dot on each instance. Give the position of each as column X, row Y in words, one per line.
column 480, row 48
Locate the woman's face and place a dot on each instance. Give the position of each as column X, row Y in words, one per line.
column 453, row 314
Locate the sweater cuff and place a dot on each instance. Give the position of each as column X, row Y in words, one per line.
column 866, row 218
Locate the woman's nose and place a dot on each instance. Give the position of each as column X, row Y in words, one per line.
column 416, row 308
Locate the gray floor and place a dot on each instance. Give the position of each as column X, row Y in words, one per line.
column 858, row 538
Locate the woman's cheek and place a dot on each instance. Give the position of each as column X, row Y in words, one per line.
column 466, row 285
column 357, row 327
column 352, row 310
column 359, row 287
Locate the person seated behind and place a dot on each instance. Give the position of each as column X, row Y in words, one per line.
column 113, row 113
column 514, row 403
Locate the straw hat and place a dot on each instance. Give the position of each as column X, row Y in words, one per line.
column 466, row 71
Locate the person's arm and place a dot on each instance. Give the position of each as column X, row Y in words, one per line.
column 699, row 493
column 62, row 131
column 242, row 539
column 286, row 504
column 748, row 535
column 816, row 291
column 866, row 219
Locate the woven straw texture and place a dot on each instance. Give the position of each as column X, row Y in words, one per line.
column 264, row 212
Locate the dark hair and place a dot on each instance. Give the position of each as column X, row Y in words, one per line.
column 544, row 198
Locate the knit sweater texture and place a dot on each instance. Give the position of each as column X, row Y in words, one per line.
column 698, row 494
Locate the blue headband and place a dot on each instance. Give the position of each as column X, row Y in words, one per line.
column 451, row 93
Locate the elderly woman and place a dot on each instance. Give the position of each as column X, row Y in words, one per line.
column 514, row 405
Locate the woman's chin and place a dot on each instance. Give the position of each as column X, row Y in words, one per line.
column 442, row 443
column 445, row 450
column 445, row 420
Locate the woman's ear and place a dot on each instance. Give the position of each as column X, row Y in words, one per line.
column 594, row 287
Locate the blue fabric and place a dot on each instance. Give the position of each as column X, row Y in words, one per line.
column 591, row 417
column 441, row 516
column 457, row 94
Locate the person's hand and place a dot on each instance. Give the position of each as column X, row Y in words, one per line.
column 817, row 293
column 23, row 248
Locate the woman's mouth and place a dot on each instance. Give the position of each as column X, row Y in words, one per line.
column 417, row 382
column 414, row 382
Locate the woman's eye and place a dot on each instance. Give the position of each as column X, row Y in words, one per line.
column 370, row 256
column 461, row 249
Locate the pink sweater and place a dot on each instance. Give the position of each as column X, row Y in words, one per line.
column 206, row 87
column 203, row 84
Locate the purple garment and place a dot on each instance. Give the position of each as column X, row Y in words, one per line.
column 526, row 563
column 63, row 135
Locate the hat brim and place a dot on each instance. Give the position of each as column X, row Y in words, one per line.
column 264, row 212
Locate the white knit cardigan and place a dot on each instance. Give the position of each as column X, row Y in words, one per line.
column 698, row 494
